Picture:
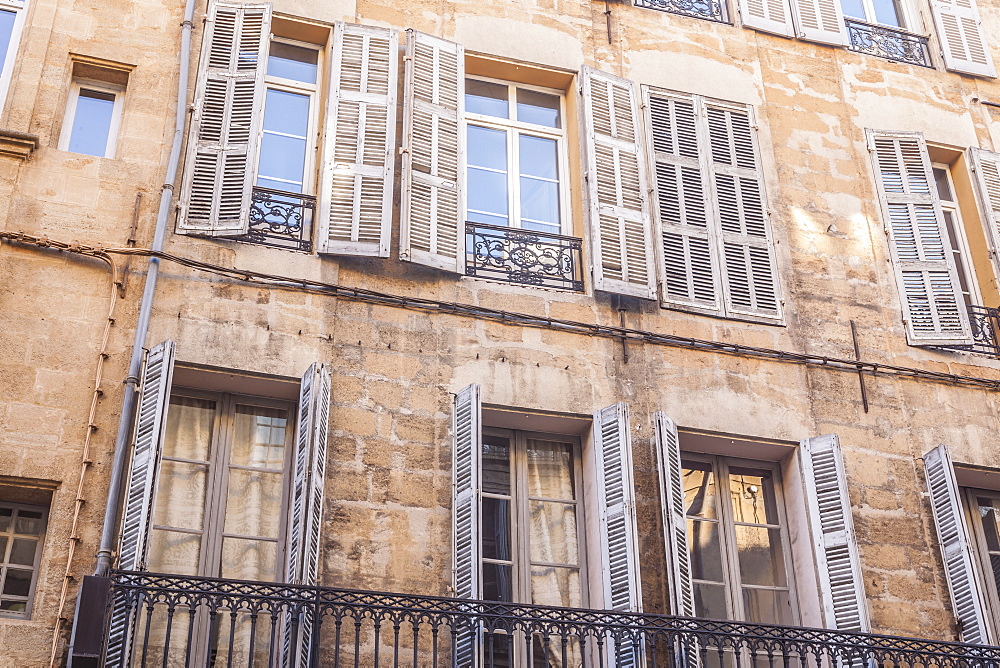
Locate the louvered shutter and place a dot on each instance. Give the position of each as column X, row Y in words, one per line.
column 227, row 121
column 466, row 456
column 675, row 536
column 963, row 40
column 137, row 517
column 820, row 21
column 749, row 271
column 933, row 308
column 620, row 229
column 964, row 581
column 690, row 261
column 356, row 184
column 987, row 167
column 433, row 230
column 838, row 564
column 767, row 15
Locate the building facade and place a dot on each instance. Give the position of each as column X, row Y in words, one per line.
column 672, row 308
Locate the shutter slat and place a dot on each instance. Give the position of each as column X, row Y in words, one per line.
column 356, row 184
column 768, row 15
column 433, row 229
column 466, row 456
column 926, row 274
column 620, row 228
column 967, row 599
column 963, row 40
column 838, row 563
column 225, row 128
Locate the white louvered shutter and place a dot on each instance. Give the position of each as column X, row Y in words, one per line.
column 620, row 229
column 356, row 184
column 749, row 271
column 137, row 517
column 466, row 456
column 964, row 581
column 963, row 40
column 838, row 564
column 987, row 167
column 616, row 514
column 668, row 459
column 433, row 228
column 820, row 21
column 227, row 121
column 690, row 263
column 767, row 15
column 931, row 297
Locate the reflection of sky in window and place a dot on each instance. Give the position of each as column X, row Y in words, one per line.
column 283, row 147
column 292, row 62
column 92, row 122
column 6, row 30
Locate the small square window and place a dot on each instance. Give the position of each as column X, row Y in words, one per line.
column 22, row 530
column 92, row 117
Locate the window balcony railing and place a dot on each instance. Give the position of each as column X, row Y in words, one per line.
column 890, row 43
column 205, row 621
column 523, row 256
column 985, row 323
column 281, row 219
column 710, row 10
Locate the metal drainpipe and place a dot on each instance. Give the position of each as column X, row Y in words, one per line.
column 146, row 306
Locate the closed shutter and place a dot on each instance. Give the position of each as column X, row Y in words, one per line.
column 767, row 15
column 620, row 229
column 963, row 41
column 749, row 271
column 356, row 184
column 835, row 546
column 668, row 459
column 227, row 121
column 933, row 308
column 433, row 154
column 820, row 21
column 964, row 583
column 690, row 261
column 987, row 167
column 150, row 425
column 467, row 453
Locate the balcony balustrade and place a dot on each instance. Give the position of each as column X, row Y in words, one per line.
column 887, row 42
column 710, row 10
column 517, row 255
column 281, row 219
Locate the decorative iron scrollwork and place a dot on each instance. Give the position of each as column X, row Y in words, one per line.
column 889, row 43
column 985, row 322
column 711, row 10
column 281, row 219
column 523, row 256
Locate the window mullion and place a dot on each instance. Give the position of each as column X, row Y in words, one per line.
column 514, row 177
column 727, row 538
column 219, row 477
column 521, row 520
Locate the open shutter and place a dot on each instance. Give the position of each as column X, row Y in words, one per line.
column 356, row 184
column 933, row 308
column 749, row 271
column 467, row 453
column 620, row 229
column 137, row 517
column 960, row 567
column 835, row 546
column 668, row 459
column 963, row 41
column 690, row 262
column 987, row 167
column 820, row 21
column 767, row 15
column 227, row 121
column 433, row 154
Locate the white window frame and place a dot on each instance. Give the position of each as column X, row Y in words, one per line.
column 513, row 130
column 975, row 523
column 20, row 8
column 116, row 114
column 36, row 565
column 906, row 16
column 961, row 239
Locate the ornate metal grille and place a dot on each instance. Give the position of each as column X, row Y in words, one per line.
column 281, row 219
column 182, row 620
column 890, row 43
column 523, row 256
column 985, row 323
column 711, row 10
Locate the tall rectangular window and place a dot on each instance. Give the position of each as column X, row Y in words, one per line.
column 984, row 512
column 93, row 114
column 11, row 22
column 22, row 530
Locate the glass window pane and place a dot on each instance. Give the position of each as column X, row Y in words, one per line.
column 539, row 157
column 487, row 148
column 14, row 606
column 488, row 193
column 3, row 549
column 17, row 582
column 943, row 187
column 259, row 437
column 29, row 522
column 540, row 201
column 92, row 122
column 990, row 517
column 22, row 552
column 275, row 184
column 853, row 8
column 550, row 470
column 699, row 489
column 190, row 423
column 6, row 514
column 488, row 99
column 552, row 532
column 486, row 219
column 253, row 504
column 282, row 160
column 496, row 529
column 887, row 13
column 767, row 606
column 497, row 583
column 762, row 560
column 245, row 559
column 180, row 495
column 173, row 552
column 752, row 495
column 705, row 550
column 496, row 465
column 292, row 62
column 287, row 113
column 538, row 108
column 556, row 586
column 710, row 601
column 6, row 30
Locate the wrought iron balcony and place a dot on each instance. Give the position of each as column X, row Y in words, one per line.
column 710, row 10
column 523, row 256
column 985, row 323
column 205, row 621
column 890, row 43
column 281, row 219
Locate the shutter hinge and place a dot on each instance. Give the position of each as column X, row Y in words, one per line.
column 407, row 58
column 403, row 150
column 871, row 142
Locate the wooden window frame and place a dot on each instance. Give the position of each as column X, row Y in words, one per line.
column 981, row 551
column 36, row 565
column 76, row 88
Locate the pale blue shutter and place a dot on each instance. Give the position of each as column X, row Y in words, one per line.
column 466, row 455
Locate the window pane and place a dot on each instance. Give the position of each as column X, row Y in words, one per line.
column 762, row 561
column 705, row 550
column 538, row 108
column 539, row 157
column 5, row 518
column 92, row 122
column 6, row 30
column 767, row 606
column 3, row 549
column 550, row 470
column 710, row 601
column 853, row 8
column 253, row 504
column 699, row 489
column 173, row 552
column 190, row 423
column 496, row 465
column 292, row 62
column 23, row 552
column 245, row 559
column 556, row 586
column 14, row 606
column 943, row 187
column 540, row 202
column 553, row 537
column 752, row 494
column 488, row 99
column 29, row 522
column 886, row 13
column 496, row 529
column 17, row 582
column 259, row 437
column 282, row 161
column 497, row 583
column 180, row 497
column 488, row 193
column 487, row 148
column 287, row 113
column 990, row 517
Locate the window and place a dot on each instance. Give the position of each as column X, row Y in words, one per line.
column 984, row 513
column 11, row 22
column 885, row 12
column 955, row 229
column 22, row 531
column 92, row 118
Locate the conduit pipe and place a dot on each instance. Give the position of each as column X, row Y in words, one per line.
column 105, row 551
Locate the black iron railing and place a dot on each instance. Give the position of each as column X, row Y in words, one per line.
column 523, row 256
column 281, row 219
column 204, row 621
column 985, row 323
column 711, row 10
column 887, row 42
